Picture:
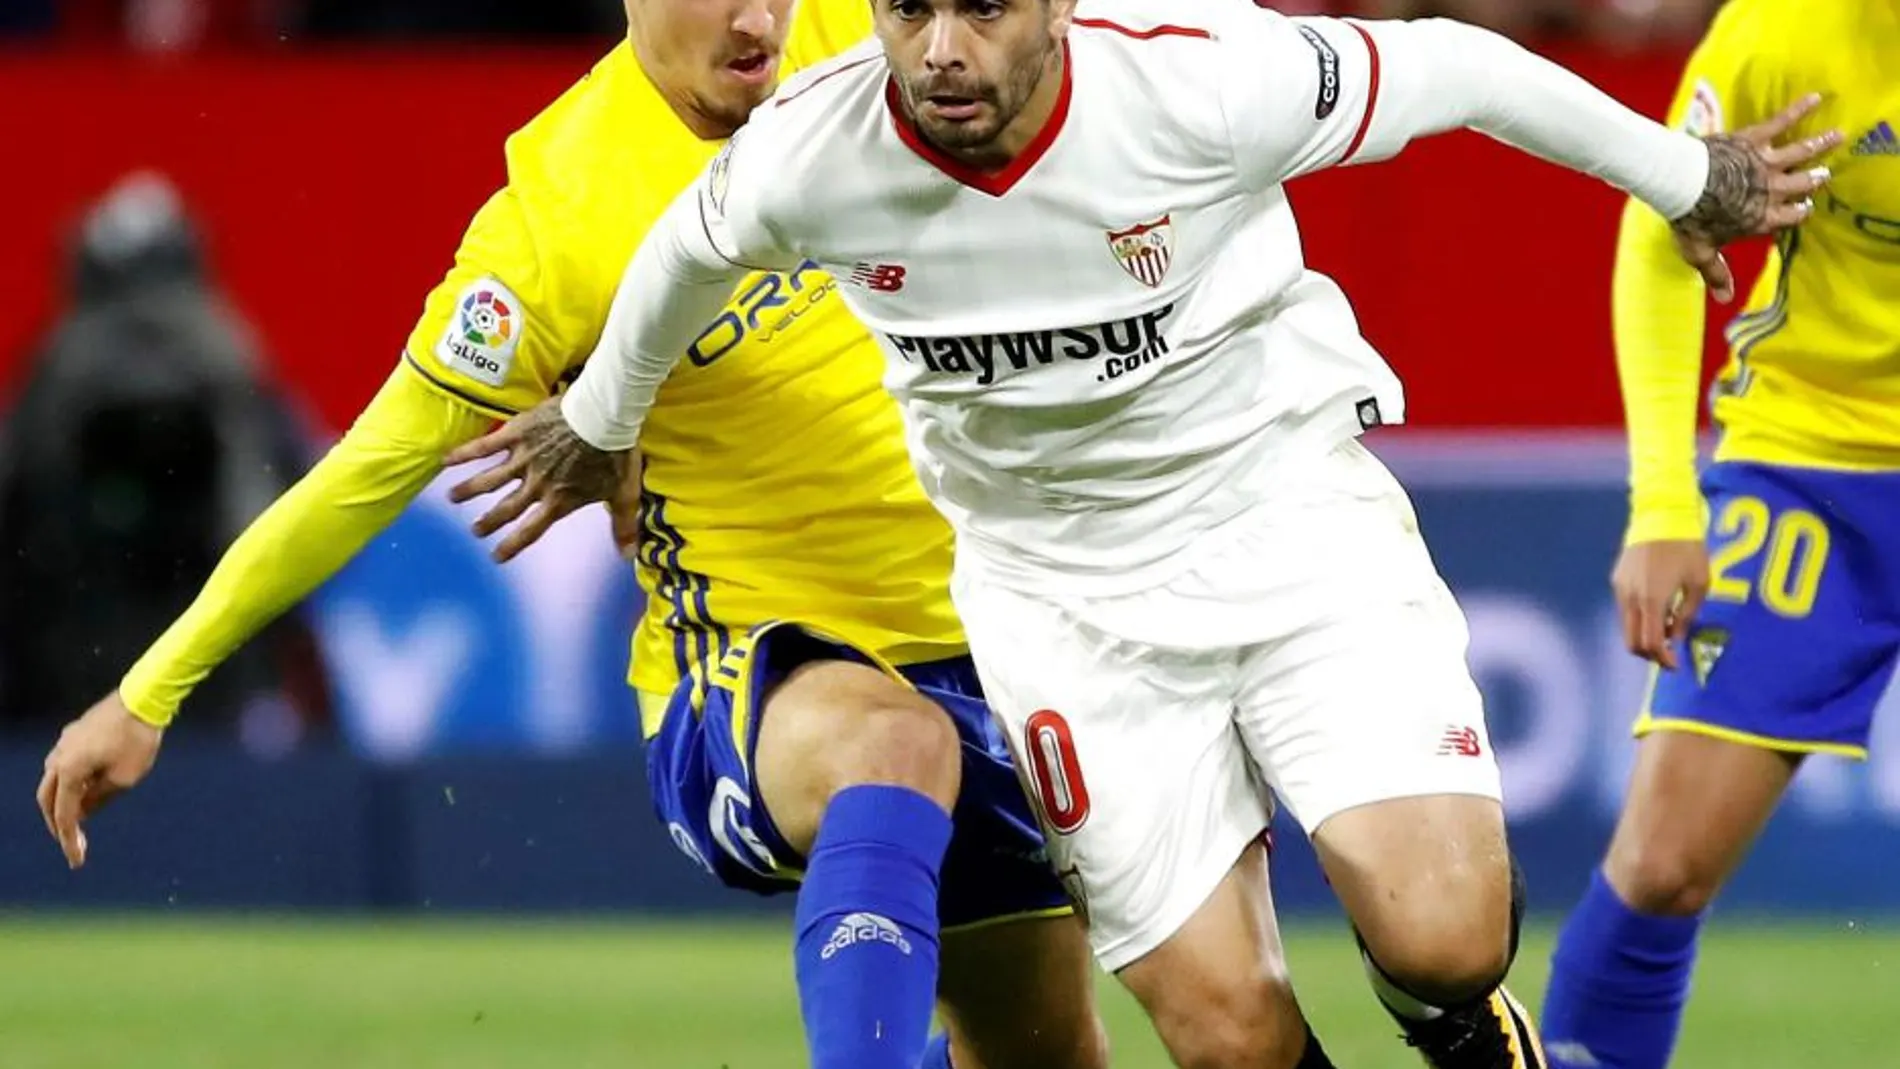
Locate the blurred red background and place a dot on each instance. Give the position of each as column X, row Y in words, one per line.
column 334, row 185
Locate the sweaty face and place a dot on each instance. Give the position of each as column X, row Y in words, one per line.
column 966, row 68
column 713, row 60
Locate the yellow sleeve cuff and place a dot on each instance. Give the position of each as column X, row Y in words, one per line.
column 156, row 715
column 1674, row 523
column 394, row 449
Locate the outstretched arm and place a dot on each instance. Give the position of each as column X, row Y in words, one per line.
column 386, row 458
column 302, row 539
column 1381, row 85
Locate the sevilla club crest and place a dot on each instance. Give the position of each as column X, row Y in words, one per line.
column 1144, row 251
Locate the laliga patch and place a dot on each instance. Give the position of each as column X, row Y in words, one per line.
column 484, row 329
column 1328, row 72
column 1705, row 110
column 1706, row 646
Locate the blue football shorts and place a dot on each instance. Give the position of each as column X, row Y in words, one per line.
column 1799, row 635
column 699, row 772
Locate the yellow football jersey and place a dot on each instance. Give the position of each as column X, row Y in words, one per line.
column 1813, row 376
column 777, row 485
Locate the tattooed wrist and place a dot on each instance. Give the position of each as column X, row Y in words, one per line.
column 1734, row 201
column 566, row 462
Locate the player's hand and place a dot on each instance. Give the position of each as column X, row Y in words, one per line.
column 103, row 753
column 1659, row 588
column 557, row 471
column 1754, row 187
column 623, row 509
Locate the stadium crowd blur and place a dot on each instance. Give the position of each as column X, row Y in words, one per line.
column 184, row 24
column 143, row 438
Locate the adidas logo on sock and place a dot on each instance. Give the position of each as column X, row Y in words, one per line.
column 1880, row 141
column 864, row 928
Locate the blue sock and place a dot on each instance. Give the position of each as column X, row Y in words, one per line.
column 1618, row 983
column 867, row 929
column 937, row 1055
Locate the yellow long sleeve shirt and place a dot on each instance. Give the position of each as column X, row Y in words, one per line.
column 777, row 481
column 1813, row 374
column 391, row 452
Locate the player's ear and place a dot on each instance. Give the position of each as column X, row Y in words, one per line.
column 1061, row 13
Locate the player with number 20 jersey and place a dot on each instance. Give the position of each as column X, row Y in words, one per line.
column 1768, row 590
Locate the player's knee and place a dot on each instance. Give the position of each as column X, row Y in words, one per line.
column 1660, row 879
column 1449, row 946
column 1447, row 968
column 1254, row 1025
column 903, row 740
column 835, row 725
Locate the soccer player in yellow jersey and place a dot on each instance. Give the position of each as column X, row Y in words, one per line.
column 832, row 750
column 1773, row 609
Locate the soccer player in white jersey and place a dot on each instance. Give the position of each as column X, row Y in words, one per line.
column 1187, row 586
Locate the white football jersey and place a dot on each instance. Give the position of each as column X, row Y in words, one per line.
column 1100, row 350
column 1112, row 345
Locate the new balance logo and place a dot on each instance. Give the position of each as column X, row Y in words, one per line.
column 1880, row 141
column 884, row 278
column 1459, row 742
column 864, row 928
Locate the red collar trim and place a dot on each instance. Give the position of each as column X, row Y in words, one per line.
column 997, row 182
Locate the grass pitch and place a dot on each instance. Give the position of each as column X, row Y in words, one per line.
column 296, row 993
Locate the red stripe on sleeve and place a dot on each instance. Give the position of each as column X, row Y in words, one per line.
column 1148, row 34
column 1372, row 93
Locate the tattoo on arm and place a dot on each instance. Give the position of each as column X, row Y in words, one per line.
column 565, row 461
column 1734, row 202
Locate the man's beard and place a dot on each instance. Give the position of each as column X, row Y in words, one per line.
column 1004, row 104
column 954, row 133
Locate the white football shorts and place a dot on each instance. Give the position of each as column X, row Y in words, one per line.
column 1310, row 648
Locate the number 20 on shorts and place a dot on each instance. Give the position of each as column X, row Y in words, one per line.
column 1797, row 547
column 1049, row 749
